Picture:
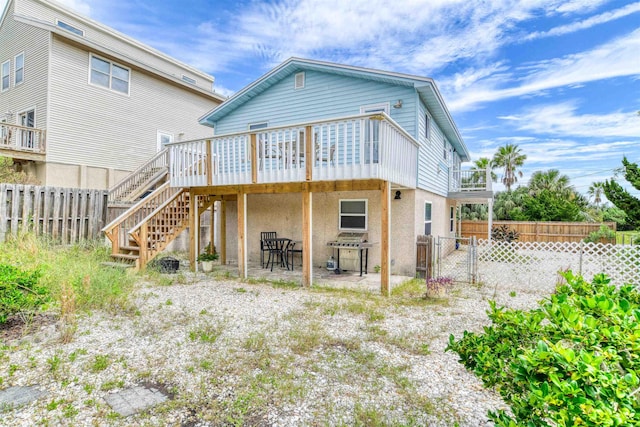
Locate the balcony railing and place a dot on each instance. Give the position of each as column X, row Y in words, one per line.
column 20, row 138
column 356, row 147
column 467, row 181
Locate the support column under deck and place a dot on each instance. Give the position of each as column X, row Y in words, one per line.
column 242, row 235
column 223, row 232
column 193, row 231
column 307, row 243
column 385, row 237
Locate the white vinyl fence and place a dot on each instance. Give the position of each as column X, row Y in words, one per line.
column 538, row 263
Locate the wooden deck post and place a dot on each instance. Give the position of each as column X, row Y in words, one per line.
column 193, row 231
column 223, row 232
column 242, row 235
column 212, row 229
column 307, row 222
column 385, row 237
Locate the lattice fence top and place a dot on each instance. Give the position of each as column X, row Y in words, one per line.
column 539, row 262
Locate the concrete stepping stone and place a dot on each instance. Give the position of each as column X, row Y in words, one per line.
column 13, row 397
column 135, row 399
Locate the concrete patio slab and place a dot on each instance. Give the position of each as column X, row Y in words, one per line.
column 17, row 396
column 135, row 399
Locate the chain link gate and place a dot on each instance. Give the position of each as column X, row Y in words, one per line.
column 457, row 257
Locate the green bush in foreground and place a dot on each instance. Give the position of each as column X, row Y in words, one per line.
column 71, row 274
column 19, row 291
column 573, row 361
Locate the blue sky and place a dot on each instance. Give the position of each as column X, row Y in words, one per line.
column 560, row 78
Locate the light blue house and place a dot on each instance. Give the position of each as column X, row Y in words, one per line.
column 314, row 149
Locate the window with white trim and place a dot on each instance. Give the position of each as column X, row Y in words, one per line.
column 189, row 79
column 452, row 219
column 18, row 76
column 427, row 218
column 164, row 138
column 70, row 28
column 353, row 214
column 5, row 76
column 109, row 75
column 427, row 127
column 256, row 126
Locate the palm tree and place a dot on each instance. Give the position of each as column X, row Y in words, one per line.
column 596, row 190
column 510, row 158
column 480, row 167
column 552, row 181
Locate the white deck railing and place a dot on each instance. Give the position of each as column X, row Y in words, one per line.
column 470, row 180
column 21, row 138
column 356, row 147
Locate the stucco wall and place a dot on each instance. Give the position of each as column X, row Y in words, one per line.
column 283, row 213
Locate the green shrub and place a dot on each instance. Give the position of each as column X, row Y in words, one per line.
column 603, row 234
column 575, row 360
column 19, row 291
column 504, row 234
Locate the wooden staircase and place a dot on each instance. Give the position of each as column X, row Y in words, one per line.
column 149, row 225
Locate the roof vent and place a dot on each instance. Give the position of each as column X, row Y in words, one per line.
column 299, row 81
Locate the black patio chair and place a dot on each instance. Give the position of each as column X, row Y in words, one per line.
column 263, row 247
column 290, row 252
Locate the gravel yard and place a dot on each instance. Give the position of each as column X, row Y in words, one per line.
column 243, row 353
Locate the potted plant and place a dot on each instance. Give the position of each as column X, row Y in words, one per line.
column 206, row 261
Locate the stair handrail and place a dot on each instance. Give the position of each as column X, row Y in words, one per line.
column 156, row 211
column 120, row 187
column 136, row 207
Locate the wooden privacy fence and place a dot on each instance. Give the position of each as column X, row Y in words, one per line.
column 538, row 231
column 66, row 214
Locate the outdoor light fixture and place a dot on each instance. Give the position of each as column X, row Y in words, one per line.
column 398, row 194
column 398, row 104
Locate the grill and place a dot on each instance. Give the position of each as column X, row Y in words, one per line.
column 352, row 241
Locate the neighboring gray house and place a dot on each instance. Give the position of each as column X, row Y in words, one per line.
column 313, row 151
column 81, row 104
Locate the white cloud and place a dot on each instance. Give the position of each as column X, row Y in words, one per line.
column 612, row 59
column 561, row 119
column 587, row 23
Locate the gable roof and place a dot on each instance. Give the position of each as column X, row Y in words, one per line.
column 424, row 86
column 95, row 45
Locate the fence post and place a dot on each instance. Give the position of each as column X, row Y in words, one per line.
column 581, row 251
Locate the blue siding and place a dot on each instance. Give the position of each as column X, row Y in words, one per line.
column 325, row 95
column 433, row 171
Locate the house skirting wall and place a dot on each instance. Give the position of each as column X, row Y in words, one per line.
column 76, row 176
column 283, row 213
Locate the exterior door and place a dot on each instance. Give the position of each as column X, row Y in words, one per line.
column 27, row 137
column 164, row 138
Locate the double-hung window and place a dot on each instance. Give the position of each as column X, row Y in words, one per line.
column 109, row 75
column 427, row 218
column 353, row 214
column 5, row 69
column 18, row 77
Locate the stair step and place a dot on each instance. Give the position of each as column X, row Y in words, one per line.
column 119, row 265
column 130, row 248
column 125, row 256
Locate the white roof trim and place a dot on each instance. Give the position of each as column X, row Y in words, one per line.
column 52, row 4
column 110, row 52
